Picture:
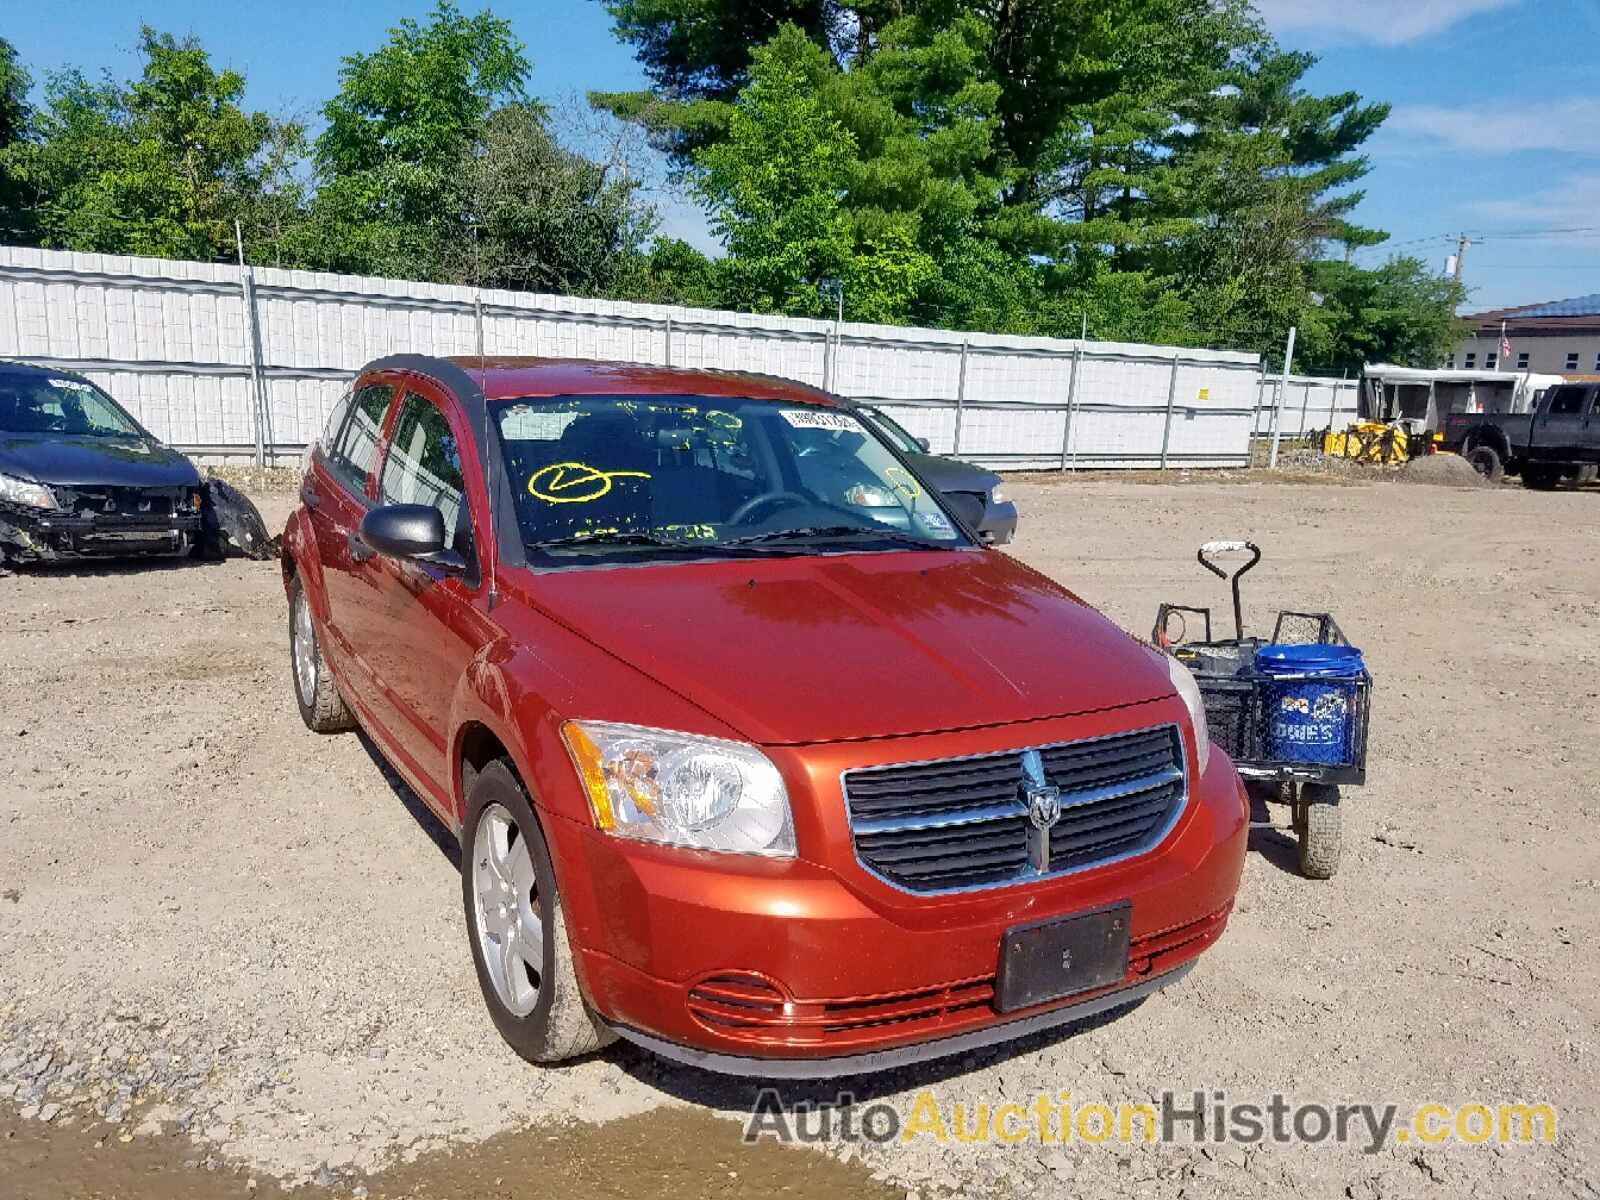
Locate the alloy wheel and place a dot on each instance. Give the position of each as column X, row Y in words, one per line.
column 305, row 650
column 509, row 929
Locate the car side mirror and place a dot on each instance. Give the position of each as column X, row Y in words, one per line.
column 414, row 531
column 925, row 444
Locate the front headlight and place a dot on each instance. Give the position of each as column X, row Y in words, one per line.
column 21, row 491
column 1183, row 680
column 681, row 789
column 997, row 495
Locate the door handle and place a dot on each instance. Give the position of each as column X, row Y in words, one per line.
column 359, row 550
column 310, row 496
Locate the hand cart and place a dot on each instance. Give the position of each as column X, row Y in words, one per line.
column 1293, row 718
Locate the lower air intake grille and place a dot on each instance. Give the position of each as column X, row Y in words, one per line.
column 971, row 822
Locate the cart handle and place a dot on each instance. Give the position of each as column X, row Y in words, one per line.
column 1231, row 546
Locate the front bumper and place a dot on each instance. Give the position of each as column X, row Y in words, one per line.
column 45, row 535
column 798, row 966
column 903, row 1056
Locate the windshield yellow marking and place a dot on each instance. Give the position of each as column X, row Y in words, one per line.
column 900, row 480
column 575, row 482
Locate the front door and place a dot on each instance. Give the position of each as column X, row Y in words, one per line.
column 432, row 621
column 1591, row 428
column 335, row 494
column 1558, row 426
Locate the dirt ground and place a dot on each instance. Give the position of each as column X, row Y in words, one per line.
column 228, row 942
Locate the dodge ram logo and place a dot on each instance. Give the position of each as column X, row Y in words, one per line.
column 1041, row 796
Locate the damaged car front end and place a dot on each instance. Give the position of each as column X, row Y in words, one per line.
column 80, row 478
column 88, row 521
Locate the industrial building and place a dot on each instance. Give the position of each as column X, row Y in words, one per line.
column 1561, row 337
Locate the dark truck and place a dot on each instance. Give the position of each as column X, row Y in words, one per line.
column 1559, row 439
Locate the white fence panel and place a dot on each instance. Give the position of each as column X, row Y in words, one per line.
column 1309, row 404
column 173, row 341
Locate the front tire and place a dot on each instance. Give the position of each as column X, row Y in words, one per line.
column 517, row 927
column 322, row 708
column 1317, row 821
column 1486, row 461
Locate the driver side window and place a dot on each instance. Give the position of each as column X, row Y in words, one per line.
column 423, row 466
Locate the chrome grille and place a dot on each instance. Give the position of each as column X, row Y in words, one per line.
column 964, row 822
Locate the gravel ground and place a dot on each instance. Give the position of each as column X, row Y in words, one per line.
column 216, row 925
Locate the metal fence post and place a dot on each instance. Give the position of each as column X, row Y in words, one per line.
column 1172, row 395
column 477, row 321
column 1072, row 398
column 1277, row 407
column 1305, row 403
column 247, row 296
column 961, row 398
column 669, row 340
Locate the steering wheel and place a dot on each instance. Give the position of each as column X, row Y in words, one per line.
column 741, row 514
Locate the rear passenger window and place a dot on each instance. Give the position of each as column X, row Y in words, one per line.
column 1567, row 401
column 330, row 431
column 423, row 466
column 350, row 457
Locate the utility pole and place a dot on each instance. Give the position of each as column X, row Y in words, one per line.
column 1459, row 258
column 1462, row 242
column 1277, row 407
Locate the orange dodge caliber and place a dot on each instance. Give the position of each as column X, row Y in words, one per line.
column 758, row 757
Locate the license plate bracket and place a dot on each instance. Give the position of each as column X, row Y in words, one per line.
column 1060, row 957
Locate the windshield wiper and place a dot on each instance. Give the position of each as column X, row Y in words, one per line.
column 817, row 532
column 614, row 538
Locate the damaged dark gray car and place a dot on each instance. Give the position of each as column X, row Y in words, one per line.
column 80, row 478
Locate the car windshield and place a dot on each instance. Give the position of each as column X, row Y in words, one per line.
column 38, row 403
column 893, row 431
column 642, row 476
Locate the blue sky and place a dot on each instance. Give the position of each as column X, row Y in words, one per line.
column 1496, row 128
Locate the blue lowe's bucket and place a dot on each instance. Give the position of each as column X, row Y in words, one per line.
column 1311, row 710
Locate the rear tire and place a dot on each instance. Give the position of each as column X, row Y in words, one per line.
column 322, row 708
column 1317, row 821
column 1586, row 474
column 1486, row 461
column 515, row 915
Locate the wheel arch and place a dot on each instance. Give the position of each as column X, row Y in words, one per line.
column 1488, row 435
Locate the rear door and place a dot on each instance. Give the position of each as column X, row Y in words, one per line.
column 1591, row 428
column 336, row 494
column 1558, row 426
column 430, row 619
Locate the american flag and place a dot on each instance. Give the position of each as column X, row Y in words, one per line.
column 1505, row 344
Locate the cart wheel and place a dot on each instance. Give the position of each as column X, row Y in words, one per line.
column 1317, row 822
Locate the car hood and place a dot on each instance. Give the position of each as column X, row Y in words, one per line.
column 835, row 647
column 951, row 474
column 108, row 461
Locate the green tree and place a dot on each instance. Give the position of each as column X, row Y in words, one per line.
column 774, row 184
column 534, row 216
column 397, row 131
column 671, row 272
column 16, row 117
column 1156, row 165
column 1403, row 312
column 435, row 164
column 161, row 166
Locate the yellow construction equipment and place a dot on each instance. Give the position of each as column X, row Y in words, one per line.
column 1370, row 442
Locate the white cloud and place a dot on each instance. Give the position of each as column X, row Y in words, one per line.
column 1388, row 22
column 1572, row 202
column 1569, row 126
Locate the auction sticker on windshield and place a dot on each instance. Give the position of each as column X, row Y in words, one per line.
column 811, row 418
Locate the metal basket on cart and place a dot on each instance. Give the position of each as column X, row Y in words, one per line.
column 1241, row 701
column 1303, row 731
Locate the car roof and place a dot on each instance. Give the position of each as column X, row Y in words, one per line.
column 13, row 367
column 506, row 378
